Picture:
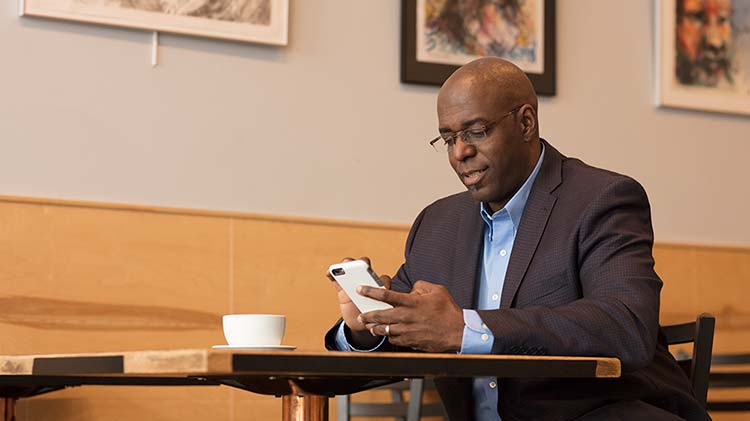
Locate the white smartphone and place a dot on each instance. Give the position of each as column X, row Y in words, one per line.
column 349, row 275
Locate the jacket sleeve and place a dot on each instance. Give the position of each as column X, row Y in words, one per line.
column 617, row 314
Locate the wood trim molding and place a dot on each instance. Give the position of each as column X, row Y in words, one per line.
column 203, row 213
column 703, row 246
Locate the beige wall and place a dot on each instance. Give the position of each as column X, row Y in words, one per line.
column 324, row 128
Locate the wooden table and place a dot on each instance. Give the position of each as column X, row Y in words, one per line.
column 304, row 380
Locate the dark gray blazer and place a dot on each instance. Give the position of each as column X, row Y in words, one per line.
column 580, row 281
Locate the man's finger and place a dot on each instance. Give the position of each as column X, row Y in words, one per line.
column 366, row 260
column 377, row 317
column 386, row 295
column 380, row 329
column 389, row 316
column 386, row 281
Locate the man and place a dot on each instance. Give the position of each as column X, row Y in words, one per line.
column 704, row 38
column 543, row 255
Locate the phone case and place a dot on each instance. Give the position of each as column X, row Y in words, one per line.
column 349, row 275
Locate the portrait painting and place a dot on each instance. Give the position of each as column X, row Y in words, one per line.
column 703, row 55
column 262, row 21
column 438, row 36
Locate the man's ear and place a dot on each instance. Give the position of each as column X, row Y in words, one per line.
column 528, row 123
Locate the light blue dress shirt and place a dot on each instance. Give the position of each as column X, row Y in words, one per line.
column 499, row 234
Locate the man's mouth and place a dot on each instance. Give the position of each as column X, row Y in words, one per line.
column 472, row 177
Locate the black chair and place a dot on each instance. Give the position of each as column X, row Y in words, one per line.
column 399, row 408
column 730, row 379
column 701, row 334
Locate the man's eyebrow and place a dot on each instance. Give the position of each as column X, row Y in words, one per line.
column 464, row 125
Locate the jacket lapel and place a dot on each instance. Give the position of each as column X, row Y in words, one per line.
column 465, row 271
column 535, row 215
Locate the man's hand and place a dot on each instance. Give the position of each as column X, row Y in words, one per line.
column 361, row 335
column 427, row 318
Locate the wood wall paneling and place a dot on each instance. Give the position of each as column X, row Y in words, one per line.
column 715, row 280
column 88, row 279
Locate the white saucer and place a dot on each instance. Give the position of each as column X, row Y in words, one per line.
column 257, row 347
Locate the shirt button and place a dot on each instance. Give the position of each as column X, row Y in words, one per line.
column 503, row 252
column 495, row 297
column 493, row 385
column 485, row 337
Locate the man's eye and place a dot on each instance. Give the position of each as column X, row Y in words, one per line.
column 696, row 17
column 475, row 134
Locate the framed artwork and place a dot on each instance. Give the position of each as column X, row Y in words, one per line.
column 703, row 55
column 438, row 36
column 261, row 21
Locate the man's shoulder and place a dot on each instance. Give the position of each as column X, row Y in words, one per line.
column 458, row 203
column 446, row 214
column 582, row 178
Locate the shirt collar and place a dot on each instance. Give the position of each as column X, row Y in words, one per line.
column 516, row 204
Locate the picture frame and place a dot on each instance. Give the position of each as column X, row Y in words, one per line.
column 702, row 56
column 422, row 62
column 257, row 21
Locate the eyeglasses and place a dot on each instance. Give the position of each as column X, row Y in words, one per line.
column 470, row 136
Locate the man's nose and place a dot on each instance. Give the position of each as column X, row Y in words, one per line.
column 713, row 35
column 462, row 150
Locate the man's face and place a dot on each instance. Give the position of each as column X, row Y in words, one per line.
column 703, row 41
column 717, row 35
column 495, row 168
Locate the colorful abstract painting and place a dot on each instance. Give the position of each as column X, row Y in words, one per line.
column 263, row 21
column 704, row 55
column 458, row 31
column 440, row 35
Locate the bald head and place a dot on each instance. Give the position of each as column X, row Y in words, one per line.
column 494, row 99
column 494, row 77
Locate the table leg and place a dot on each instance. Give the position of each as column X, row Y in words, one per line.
column 304, row 407
column 8, row 408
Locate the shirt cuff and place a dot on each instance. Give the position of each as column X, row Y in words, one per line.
column 342, row 343
column 478, row 338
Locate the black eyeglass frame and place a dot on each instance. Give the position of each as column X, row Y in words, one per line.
column 487, row 127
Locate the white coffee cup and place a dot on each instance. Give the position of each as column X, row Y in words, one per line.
column 254, row 329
